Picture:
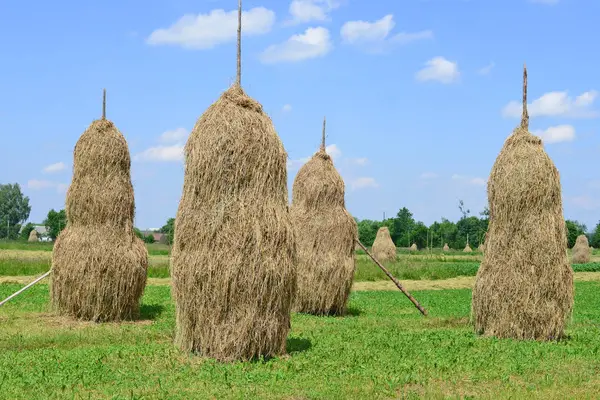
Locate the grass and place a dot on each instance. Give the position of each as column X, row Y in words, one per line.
column 155, row 249
column 383, row 349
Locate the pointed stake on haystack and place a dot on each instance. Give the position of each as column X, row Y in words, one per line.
column 396, row 282
column 525, row 115
column 238, row 79
column 323, row 138
column 103, row 103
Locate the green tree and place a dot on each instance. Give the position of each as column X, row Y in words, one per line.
column 149, row 238
column 138, row 233
column 403, row 225
column 574, row 229
column 367, row 231
column 419, row 235
column 595, row 237
column 169, row 230
column 55, row 222
column 24, row 235
column 14, row 210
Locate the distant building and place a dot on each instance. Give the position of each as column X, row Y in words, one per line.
column 158, row 237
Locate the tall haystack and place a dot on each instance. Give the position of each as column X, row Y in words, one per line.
column 581, row 251
column 234, row 255
column 33, row 236
column 413, row 247
column 524, row 287
column 446, row 248
column 325, row 237
column 384, row 248
column 99, row 265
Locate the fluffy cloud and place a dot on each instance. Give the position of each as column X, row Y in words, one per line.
column 439, row 69
column 161, row 154
column 471, row 181
column 333, row 151
column 374, row 35
column 487, row 69
column 175, row 135
column 36, row 184
column 363, row 183
column 556, row 134
column 303, row 11
column 52, row 168
column 314, row 42
column 287, row 108
column 359, row 161
column 554, row 104
column 205, row 31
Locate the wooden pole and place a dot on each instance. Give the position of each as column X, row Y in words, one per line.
column 323, row 137
column 25, row 288
column 525, row 115
column 103, row 103
column 238, row 79
column 396, row 282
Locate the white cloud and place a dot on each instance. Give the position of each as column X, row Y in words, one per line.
column 287, row 108
column 161, row 154
column 585, row 202
column 303, row 11
column 364, row 182
column 36, row 184
column 175, row 135
column 314, row 42
column 487, row 69
column 556, row 104
column 428, row 175
column 359, row 161
column 205, row 31
column 57, row 167
column 439, row 69
column 471, row 181
column 477, row 181
column 294, row 164
column 556, row 134
column 333, row 151
column 373, row 35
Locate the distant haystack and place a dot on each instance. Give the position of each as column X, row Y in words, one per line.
column 234, row 257
column 481, row 247
column 99, row 265
column 414, row 247
column 383, row 247
column 524, row 286
column 325, row 237
column 467, row 249
column 33, row 236
column 446, row 248
column 581, row 251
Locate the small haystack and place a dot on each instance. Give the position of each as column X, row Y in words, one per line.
column 33, row 236
column 99, row 265
column 524, row 287
column 234, row 257
column 413, row 247
column 446, row 248
column 383, row 248
column 325, row 237
column 581, row 251
column 467, row 249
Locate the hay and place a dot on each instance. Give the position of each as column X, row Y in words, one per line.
column 325, row 237
column 467, row 249
column 446, row 248
column 33, row 236
column 581, row 251
column 234, row 254
column 99, row 265
column 524, row 287
column 413, row 247
column 383, row 247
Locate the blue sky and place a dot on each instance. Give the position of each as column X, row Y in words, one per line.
column 417, row 93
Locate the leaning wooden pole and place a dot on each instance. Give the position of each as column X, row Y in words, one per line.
column 396, row 282
column 18, row 292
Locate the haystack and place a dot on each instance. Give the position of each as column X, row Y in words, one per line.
column 234, row 255
column 383, row 247
column 325, row 237
column 33, row 236
column 581, row 251
column 99, row 265
column 446, row 248
column 467, row 249
column 413, row 247
column 524, row 287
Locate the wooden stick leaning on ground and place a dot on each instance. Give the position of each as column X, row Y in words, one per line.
column 25, row 288
column 396, row 282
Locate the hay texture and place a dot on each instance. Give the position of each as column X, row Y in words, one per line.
column 524, row 287
column 33, row 236
column 446, row 248
column 581, row 251
column 413, row 247
column 99, row 265
column 383, row 246
column 234, row 255
column 325, row 237
column 467, row 249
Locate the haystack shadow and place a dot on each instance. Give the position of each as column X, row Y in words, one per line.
column 297, row 345
column 151, row 311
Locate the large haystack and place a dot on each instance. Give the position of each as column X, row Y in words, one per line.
column 33, row 236
column 524, row 287
column 234, row 256
column 383, row 246
column 581, row 251
column 325, row 237
column 446, row 248
column 413, row 247
column 99, row 265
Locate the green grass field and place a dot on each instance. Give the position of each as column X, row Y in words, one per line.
column 383, row 349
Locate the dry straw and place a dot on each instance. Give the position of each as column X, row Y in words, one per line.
column 581, row 251
column 413, row 247
column 383, row 248
column 33, row 236
column 524, row 287
column 99, row 265
column 446, row 248
column 325, row 237
column 234, row 256
column 467, row 249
